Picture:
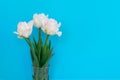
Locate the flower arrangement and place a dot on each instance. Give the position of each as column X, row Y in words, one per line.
column 41, row 51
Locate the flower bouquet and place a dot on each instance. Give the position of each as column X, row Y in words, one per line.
column 41, row 50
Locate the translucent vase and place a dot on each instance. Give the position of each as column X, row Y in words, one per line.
column 40, row 73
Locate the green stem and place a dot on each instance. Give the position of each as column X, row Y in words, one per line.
column 39, row 34
column 39, row 46
column 28, row 41
column 47, row 37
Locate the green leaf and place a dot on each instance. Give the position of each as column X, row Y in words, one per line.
column 47, row 59
column 47, row 52
column 33, row 55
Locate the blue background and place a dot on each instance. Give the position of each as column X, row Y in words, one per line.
column 89, row 48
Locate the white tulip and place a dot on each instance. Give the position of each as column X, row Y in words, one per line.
column 51, row 27
column 24, row 29
column 39, row 20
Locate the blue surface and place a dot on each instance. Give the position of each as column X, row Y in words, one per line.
column 88, row 50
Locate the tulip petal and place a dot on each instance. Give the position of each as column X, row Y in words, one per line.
column 59, row 33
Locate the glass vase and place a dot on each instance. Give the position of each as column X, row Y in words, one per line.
column 40, row 73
